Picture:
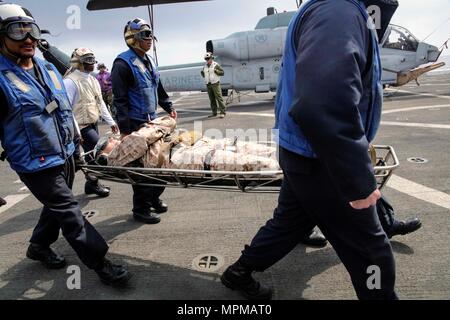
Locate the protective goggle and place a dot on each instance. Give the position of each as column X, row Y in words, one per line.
column 88, row 59
column 144, row 35
column 19, row 31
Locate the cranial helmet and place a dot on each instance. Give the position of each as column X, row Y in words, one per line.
column 208, row 56
column 81, row 56
column 137, row 29
column 17, row 23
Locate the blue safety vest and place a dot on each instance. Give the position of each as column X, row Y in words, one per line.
column 287, row 132
column 38, row 131
column 143, row 96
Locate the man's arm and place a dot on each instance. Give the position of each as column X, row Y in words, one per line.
column 3, row 106
column 164, row 101
column 122, row 80
column 219, row 71
column 3, row 115
column 72, row 91
column 332, row 55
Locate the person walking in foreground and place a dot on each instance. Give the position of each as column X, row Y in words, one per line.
column 328, row 110
column 36, row 132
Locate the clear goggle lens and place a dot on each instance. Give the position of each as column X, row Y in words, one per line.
column 144, row 35
column 19, row 31
column 88, row 60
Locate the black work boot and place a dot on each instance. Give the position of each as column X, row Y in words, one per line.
column 404, row 227
column 238, row 277
column 94, row 187
column 160, row 207
column 2, row 202
column 113, row 274
column 46, row 255
column 315, row 239
column 147, row 218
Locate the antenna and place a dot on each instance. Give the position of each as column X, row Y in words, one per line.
column 152, row 23
column 434, row 31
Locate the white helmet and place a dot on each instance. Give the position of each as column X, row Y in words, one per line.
column 81, row 56
column 208, row 56
column 17, row 23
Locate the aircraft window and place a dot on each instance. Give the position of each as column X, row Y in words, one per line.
column 261, row 73
column 401, row 40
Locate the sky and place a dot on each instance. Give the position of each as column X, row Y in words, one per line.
column 183, row 29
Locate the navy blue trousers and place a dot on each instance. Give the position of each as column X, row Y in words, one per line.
column 308, row 198
column 52, row 187
column 144, row 197
column 90, row 139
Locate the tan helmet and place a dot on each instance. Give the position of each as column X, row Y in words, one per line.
column 81, row 56
column 137, row 29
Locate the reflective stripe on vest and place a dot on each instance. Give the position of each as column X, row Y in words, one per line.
column 38, row 132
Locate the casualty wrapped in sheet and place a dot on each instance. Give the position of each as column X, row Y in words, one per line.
column 157, row 145
column 223, row 155
column 137, row 144
column 158, row 155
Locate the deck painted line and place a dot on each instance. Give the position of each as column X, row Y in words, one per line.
column 178, row 99
column 271, row 115
column 415, row 125
column 428, row 85
column 422, row 94
column 416, row 108
column 419, row 191
column 12, row 201
column 193, row 110
column 264, row 115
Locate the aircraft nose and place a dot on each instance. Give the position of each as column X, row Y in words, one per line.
column 433, row 53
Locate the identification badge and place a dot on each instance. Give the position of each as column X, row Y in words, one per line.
column 52, row 106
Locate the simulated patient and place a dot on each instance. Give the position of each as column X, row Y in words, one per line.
column 158, row 145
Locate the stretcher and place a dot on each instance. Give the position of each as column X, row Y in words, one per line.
column 384, row 158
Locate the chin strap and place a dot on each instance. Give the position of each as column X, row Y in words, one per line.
column 137, row 47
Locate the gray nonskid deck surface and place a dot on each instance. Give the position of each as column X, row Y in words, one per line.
column 221, row 223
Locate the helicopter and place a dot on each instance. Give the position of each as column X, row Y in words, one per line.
column 252, row 59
